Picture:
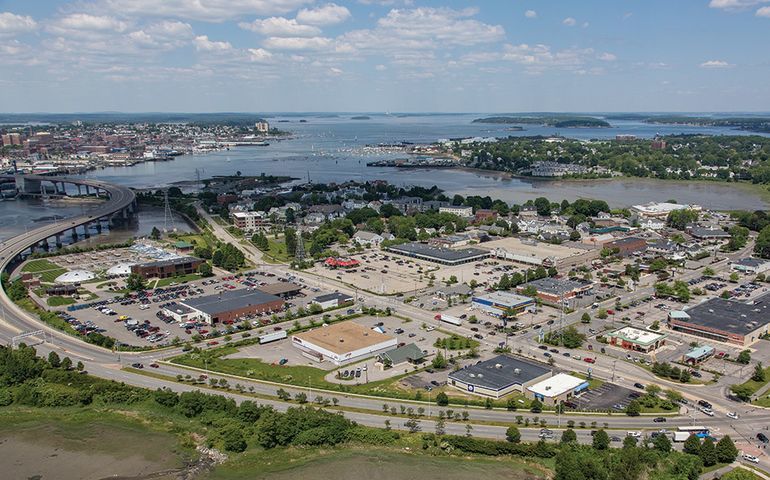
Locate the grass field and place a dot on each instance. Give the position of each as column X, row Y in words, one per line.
column 753, row 385
column 353, row 463
column 47, row 270
column 59, row 301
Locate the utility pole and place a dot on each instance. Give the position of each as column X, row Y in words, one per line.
column 168, row 217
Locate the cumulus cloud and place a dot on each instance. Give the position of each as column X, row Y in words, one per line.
column 260, row 55
column 201, row 10
column 299, row 43
column 715, row 64
column 203, row 44
column 280, row 27
column 569, row 21
column 329, row 14
column 335, row 71
column 530, row 14
column 735, row 4
column 12, row 24
column 608, row 57
column 380, row 68
column 538, row 58
column 442, row 24
column 83, row 23
column 763, row 12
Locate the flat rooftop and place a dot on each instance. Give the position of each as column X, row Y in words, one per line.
column 340, row 297
column 500, row 372
column 429, row 252
column 280, row 288
column 229, row 300
column 637, row 335
column 730, row 316
column 556, row 286
column 170, row 261
column 343, row 337
column 533, row 249
column 556, row 385
column 505, row 298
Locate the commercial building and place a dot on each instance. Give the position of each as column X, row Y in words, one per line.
column 559, row 388
column 401, row 357
column 498, row 376
column 250, row 221
column 332, row 262
column 724, row 320
column 332, row 300
column 180, row 312
column 229, row 305
column 636, row 339
column 342, row 342
column 627, row 246
column 502, row 303
column 698, row 355
column 553, row 290
column 281, row 289
column 708, row 233
column 459, row 210
column 170, row 267
column 750, row 265
column 444, row 256
column 660, row 209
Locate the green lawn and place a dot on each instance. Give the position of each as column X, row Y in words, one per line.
column 753, row 386
column 47, row 270
column 59, row 301
column 164, row 282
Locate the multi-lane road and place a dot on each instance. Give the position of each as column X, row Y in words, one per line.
column 363, row 409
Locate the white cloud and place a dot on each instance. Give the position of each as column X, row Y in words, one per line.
column 280, row 27
column 202, row 10
column 735, row 4
column 203, row 44
column 538, row 58
column 260, row 55
column 715, row 64
column 608, row 57
column 329, row 14
column 335, row 71
column 299, row 43
column 763, row 12
column 12, row 24
column 530, row 14
column 170, row 29
column 380, row 68
column 441, row 24
column 569, row 21
column 82, row 23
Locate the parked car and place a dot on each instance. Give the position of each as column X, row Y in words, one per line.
column 750, row 458
column 137, row 365
column 762, row 437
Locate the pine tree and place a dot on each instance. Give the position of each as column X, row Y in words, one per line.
column 662, row 444
column 569, row 436
column 601, row 440
column 692, row 445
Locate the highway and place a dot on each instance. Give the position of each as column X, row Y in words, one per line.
column 365, row 410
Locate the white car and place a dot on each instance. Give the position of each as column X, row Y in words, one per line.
column 732, row 415
column 750, row 458
column 707, row 411
column 634, row 434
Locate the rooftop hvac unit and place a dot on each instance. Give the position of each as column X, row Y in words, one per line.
column 497, row 365
column 516, row 371
column 481, row 375
column 472, row 375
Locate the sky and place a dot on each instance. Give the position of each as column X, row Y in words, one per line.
column 384, row 55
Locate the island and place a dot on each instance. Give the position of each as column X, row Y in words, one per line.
column 361, row 117
column 558, row 121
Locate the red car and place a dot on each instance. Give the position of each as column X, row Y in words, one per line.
column 589, row 360
column 212, row 343
column 154, row 365
column 611, row 312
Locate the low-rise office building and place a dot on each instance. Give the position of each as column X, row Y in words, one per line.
column 502, row 303
column 551, row 289
column 498, row 376
column 171, row 267
column 636, row 339
column 627, row 246
column 401, row 357
column 444, row 256
column 559, row 388
column 281, row 289
column 342, row 342
column 250, row 221
column 750, row 265
column 230, row 305
column 332, row 300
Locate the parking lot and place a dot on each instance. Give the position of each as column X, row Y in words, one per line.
column 608, row 396
column 139, row 320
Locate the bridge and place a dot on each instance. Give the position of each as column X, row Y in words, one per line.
column 119, row 207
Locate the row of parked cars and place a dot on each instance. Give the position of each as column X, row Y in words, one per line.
column 83, row 328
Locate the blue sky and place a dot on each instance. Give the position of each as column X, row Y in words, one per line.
column 384, row 55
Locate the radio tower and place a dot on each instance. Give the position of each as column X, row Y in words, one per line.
column 167, row 216
column 299, row 253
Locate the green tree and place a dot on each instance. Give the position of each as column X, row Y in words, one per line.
column 442, row 399
column 135, row 282
column 585, row 318
column 759, row 373
column 629, row 442
column 54, row 360
column 708, row 453
column 568, row 436
column 17, row 290
column 233, row 440
column 762, row 244
column 155, row 233
column 633, row 409
column 536, row 406
column 205, row 270
column 513, row 435
column 726, row 450
column 662, row 443
column 66, row 363
column 744, row 357
column 601, row 440
column 692, row 445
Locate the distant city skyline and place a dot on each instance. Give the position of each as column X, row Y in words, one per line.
column 384, row 55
